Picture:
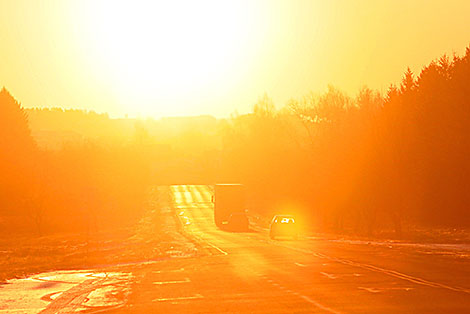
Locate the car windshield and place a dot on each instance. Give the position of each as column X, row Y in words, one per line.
column 286, row 220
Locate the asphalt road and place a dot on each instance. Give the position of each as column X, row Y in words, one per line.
column 248, row 272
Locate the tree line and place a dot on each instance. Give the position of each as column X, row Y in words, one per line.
column 360, row 164
column 82, row 186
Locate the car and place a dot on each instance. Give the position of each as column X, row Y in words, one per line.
column 283, row 226
column 237, row 222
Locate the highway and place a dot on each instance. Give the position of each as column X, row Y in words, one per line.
column 247, row 272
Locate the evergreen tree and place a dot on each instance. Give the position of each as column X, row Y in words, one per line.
column 15, row 136
column 16, row 155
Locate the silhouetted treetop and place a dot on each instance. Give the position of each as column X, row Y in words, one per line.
column 15, row 134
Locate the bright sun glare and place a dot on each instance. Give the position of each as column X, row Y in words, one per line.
column 157, row 52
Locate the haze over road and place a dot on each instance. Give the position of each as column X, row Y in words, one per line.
column 248, row 272
column 207, row 270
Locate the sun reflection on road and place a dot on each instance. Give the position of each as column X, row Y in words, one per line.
column 90, row 289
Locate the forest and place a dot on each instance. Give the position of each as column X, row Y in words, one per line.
column 357, row 164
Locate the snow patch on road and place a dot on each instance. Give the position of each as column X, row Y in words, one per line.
column 75, row 290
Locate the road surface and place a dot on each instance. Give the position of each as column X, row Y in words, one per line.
column 248, row 272
column 206, row 270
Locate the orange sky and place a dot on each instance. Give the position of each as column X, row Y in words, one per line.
column 148, row 58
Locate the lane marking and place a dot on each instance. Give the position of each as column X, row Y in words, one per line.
column 171, row 282
column 217, row 248
column 273, row 283
column 193, row 297
column 376, row 290
column 210, row 244
column 168, row 271
column 183, row 203
column 371, row 290
column 373, row 268
column 320, row 306
column 331, row 276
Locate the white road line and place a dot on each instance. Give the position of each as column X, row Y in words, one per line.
column 331, row 276
column 300, row 265
column 187, row 222
column 375, row 290
column 217, row 248
column 371, row 290
column 320, row 306
column 171, row 282
column 210, row 244
column 193, row 297
column 168, row 271
column 389, row 272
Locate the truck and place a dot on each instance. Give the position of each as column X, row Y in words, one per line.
column 229, row 206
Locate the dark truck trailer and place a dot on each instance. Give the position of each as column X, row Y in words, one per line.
column 229, row 199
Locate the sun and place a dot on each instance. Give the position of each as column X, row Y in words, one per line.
column 164, row 53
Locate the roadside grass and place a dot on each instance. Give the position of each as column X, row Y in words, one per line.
column 410, row 233
column 154, row 237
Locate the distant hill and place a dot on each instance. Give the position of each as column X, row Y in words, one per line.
column 54, row 127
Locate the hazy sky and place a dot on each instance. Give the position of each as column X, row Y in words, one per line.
column 148, row 58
